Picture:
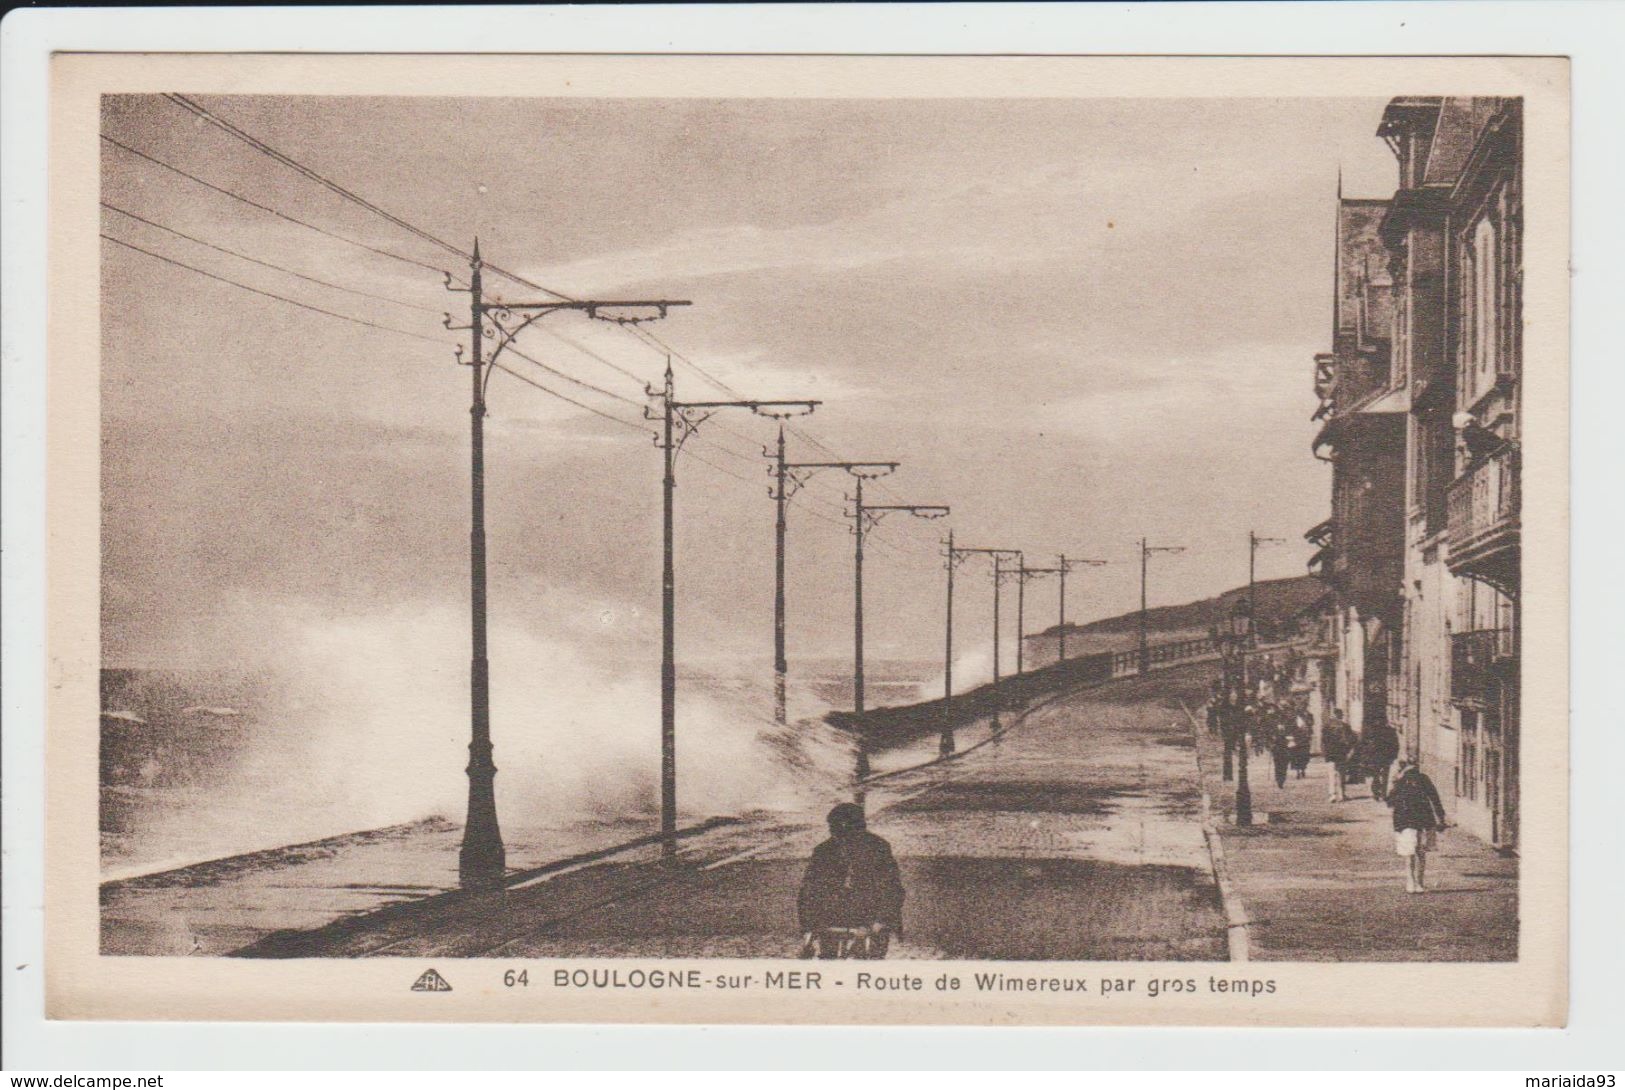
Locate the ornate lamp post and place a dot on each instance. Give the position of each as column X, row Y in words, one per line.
column 865, row 517
column 680, row 420
column 482, row 860
column 1226, row 708
column 1240, row 632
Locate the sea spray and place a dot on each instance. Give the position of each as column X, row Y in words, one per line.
column 361, row 721
column 972, row 667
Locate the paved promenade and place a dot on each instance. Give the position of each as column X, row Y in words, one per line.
column 1319, row 881
column 1075, row 835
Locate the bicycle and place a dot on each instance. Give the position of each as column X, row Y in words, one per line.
column 840, row 943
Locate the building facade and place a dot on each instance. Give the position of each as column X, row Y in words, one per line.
column 1451, row 241
column 1362, row 414
column 1486, row 221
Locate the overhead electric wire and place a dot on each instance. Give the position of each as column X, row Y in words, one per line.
column 404, row 333
column 611, row 364
column 349, row 195
column 270, row 294
column 875, row 534
column 267, row 208
column 387, row 329
column 654, row 340
column 659, row 344
column 572, row 379
column 804, row 510
column 267, row 264
column 527, row 380
column 266, row 149
column 720, row 469
column 648, row 337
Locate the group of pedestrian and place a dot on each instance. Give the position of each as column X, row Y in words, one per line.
column 1353, row 757
column 1267, row 717
column 851, row 898
column 1284, row 730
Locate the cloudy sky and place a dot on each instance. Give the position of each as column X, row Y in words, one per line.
column 1077, row 322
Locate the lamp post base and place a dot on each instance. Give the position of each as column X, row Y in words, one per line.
column 1244, row 807
column 481, row 864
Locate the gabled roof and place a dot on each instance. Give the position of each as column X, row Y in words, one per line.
column 1444, row 129
column 1404, row 112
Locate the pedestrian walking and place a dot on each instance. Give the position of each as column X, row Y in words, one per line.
column 1280, row 749
column 1306, row 723
column 1337, row 743
column 1300, row 739
column 1418, row 817
column 1379, row 748
column 852, row 890
column 1233, row 723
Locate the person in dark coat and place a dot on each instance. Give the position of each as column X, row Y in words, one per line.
column 1302, row 730
column 1418, row 816
column 1379, row 746
column 1281, row 745
column 1336, row 744
column 1233, row 722
column 852, row 882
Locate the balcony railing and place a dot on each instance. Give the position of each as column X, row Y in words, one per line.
column 1484, row 510
column 1477, row 660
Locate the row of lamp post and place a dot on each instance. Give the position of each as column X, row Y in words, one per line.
column 481, row 862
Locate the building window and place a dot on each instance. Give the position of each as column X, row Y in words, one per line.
column 1418, row 464
column 1400, row 331
column 1467, row 765
column 1481, row 313
column 1512, row 290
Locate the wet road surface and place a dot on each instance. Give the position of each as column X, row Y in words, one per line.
column 1073, row 835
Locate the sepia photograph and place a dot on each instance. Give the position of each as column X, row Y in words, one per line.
column 651, row 539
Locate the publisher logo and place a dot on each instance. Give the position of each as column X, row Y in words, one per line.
column 431, row 981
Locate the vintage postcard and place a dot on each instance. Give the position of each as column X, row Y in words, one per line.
column 1079, row 540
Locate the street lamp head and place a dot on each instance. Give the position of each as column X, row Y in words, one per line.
column 639, row 310
column 920, row 511
column 784, row 410
column 870, row 471
column 1241, row 618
